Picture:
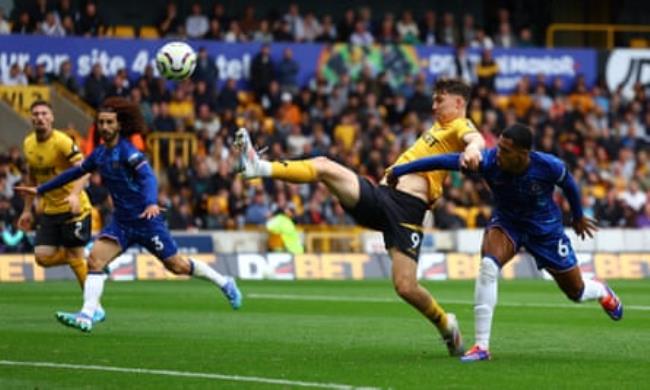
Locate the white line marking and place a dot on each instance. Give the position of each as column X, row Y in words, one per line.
column 205, row 375
column 334, row 298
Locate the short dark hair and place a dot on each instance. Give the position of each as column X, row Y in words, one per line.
column 41, row 102
column 454, row 87
column 521, row 135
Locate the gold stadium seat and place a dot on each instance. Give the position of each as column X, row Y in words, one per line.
column 123, row 32
column 638, row 43
column 149, row 32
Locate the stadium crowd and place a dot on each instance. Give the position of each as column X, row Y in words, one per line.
column 355, row 25
column 602, row 135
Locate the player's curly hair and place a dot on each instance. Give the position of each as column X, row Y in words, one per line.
column 454, row 87
column 128, row 115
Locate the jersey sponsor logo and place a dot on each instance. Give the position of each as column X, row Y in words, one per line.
column 429, row 139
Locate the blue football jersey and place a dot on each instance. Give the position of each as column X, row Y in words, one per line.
column 526, row 200
column 128, row 177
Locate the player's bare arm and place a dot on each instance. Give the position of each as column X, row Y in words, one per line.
column 471, row 157
column 26, row 217
column 79, row 185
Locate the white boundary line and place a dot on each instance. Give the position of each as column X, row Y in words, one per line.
column 188, row 374
column 335, row 298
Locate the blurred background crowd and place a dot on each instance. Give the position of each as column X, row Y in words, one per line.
column 603, row 135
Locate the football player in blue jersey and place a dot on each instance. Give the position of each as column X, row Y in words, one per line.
column 136, row 220
column 522, row 182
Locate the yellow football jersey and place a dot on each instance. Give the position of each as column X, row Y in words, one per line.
column 48, row 159
column 439, row 139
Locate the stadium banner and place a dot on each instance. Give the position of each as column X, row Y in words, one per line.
column 625, row 68
column 233, row 60
column 135, row 265
column 20, row 97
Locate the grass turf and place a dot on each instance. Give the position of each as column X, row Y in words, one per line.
column 322, row 332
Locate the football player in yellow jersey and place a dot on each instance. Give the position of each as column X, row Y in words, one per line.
column 64, row 214
column 396, row 212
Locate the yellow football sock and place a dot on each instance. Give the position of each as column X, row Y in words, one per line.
column 437, row 315
column 80, row 269
column 301, row 171
column 58, row 258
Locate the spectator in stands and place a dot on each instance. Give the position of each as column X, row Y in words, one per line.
column 643, row 220
column 41, row 76
column 249, row 23
column 169, row 23
column 89, row 23
column 387, row 33
column 145, row 107
column 14, row 240
column 633, row 197
column 68, row 26
column 463, row 68
column 487, row 70
column 119, row 86
column 4, row 25
column 206, row 69
column 311, row 28
column 219, row 13
column 263, row 33
column 505, row 38
column 295, row 22
column 525, row 38
column 328, row 30
column 15, row 76
column 163, row 121
column 449, row 34
column 429, row 29
column 258, row 211
column 65, row 9
column 196, row 24
column 482, row 40
column 407, row 29
column 346, row 26
column 288, row 113
column 203, row 95
column 227, row 98
column 361, row 36
column 24, row 24
column 38, row 11
column 214, row 32
column 66, row 78
column 468, row 32
column 262, row 71
column 288, row 70
column 234, row 33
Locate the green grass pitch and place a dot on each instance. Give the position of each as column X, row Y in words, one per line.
column 319, row 334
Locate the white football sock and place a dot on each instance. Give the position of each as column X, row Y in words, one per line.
column 204, row 271
column 485, row 298
column 264, row 168
column 93, row 289
column 593, row 290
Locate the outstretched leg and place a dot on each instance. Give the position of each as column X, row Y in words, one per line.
column 497, row 250
column 180, row 265
column 579, row 289
column 341, row 181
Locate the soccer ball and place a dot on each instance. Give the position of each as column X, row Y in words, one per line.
column 176, row 61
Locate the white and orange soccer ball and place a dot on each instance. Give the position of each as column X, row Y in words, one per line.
column 176, row 60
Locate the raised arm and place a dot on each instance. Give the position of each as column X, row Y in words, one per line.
column 472, row 156
column 64, row 178
column 447, row 162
